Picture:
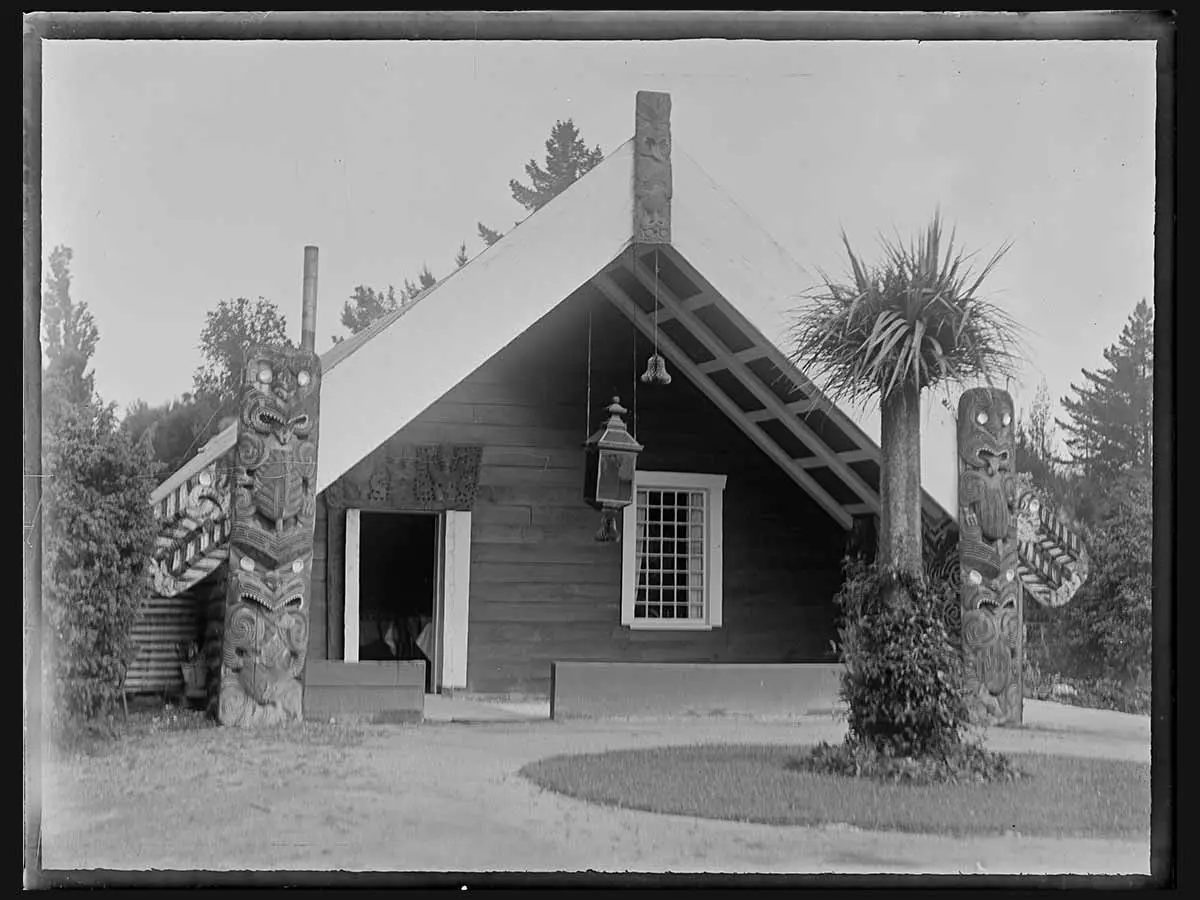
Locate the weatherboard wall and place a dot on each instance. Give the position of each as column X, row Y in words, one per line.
column 542, row 588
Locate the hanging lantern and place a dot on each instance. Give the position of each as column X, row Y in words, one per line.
column 609, row 469
column 656, row 371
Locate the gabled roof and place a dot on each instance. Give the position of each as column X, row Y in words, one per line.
column 724, row 291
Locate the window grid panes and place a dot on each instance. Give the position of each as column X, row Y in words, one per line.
column 671, row 541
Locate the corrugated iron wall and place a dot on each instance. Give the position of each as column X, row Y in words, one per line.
column 164, row 623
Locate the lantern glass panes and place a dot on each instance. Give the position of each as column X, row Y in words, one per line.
column 611, row 462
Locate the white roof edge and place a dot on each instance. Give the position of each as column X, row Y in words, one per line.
column 504, row 290
column 605, row 191
column 486, row 305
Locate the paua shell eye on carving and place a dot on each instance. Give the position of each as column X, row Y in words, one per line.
column 981, row 418
column 265, row 374
column 303, row 378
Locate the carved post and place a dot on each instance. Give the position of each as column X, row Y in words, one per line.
column 987, row 553
column 652, row 169
column 1008, row 545
column 271, row 535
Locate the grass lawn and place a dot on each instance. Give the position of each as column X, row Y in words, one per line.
column 1061, row 795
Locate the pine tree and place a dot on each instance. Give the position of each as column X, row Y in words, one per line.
column 1035, row 446
column 487, row 235
column 1111, row 422
column 567, row 160
column 366, row 305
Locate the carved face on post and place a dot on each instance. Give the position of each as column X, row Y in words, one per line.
column 279, row 392
column 266, row 625
column 270, row 559
column 986, row 430
column 991, row 630
column 991, row 588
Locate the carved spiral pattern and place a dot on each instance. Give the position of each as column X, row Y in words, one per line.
column 953, row 613
column 295, row 627
column 245, row 626
column 1010, row 626
column 251, row 450
column 306, row 459
column 979, row 628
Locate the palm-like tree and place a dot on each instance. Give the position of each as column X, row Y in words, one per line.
column 888, row 332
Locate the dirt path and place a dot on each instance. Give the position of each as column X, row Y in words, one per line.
column 447, row 797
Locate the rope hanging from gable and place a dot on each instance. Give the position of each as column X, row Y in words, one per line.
column 656, row 366
column 588, row 431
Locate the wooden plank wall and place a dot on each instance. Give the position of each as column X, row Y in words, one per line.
column 542, row 588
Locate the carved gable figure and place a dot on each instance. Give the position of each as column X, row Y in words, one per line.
column 652, row 168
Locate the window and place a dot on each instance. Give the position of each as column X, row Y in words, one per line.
column 671, row 552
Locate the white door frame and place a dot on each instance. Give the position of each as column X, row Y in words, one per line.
column 456, row 598
column 451, row 605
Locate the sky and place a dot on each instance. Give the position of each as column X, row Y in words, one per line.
column 185, row 173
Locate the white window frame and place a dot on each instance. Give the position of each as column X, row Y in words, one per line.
column 714, row 486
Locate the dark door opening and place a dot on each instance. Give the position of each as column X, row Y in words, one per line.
column 397, row 592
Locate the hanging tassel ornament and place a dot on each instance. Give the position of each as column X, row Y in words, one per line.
column 656, row 366
column 609, row 533
column 656, row 371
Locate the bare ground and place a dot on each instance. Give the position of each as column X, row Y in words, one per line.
column 447, row 797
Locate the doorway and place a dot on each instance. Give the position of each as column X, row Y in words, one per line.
column 398, row 589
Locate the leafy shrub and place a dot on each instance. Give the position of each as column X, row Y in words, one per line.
column 1092, row 692
column 1100, row 642
column 965, row 762
column 903, row 676
column 99, row 535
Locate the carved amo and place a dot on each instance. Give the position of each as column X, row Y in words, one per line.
column 270, row 555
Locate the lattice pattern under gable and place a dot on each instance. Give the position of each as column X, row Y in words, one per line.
column 774, row 379
column 720, row 325
column 670, row 275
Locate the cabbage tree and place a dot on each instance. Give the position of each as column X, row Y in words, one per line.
column 914, row 320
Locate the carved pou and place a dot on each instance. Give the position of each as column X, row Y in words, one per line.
column 988, row 554
column 270, row 547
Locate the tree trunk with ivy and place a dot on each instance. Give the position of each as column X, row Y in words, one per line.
column 900, row 481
